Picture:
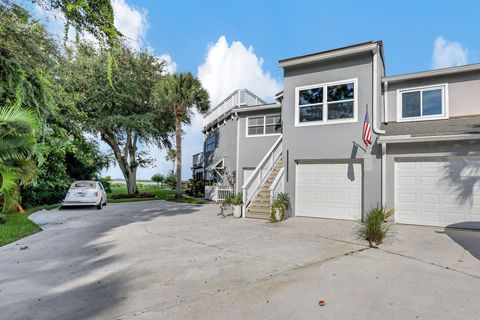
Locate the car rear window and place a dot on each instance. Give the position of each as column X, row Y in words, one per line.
column 83, row 185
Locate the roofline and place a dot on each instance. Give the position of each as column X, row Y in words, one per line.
column 329, row 54
column 432, row 73
column 409, row 138
column 268, row 106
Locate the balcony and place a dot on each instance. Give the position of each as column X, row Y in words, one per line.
column 197, row 160
column 238, row 98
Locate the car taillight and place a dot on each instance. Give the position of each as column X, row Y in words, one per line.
column 95, row 194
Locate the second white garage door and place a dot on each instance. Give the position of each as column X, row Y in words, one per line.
column 437, row 192
column 329, row 190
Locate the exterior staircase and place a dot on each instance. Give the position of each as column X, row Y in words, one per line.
column 259, row 208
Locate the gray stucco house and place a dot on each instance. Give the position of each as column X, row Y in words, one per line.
column 425, row 156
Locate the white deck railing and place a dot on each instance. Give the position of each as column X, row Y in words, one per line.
column 252, row 185
column 237, row 98
column 218, row 193
column 278, row 185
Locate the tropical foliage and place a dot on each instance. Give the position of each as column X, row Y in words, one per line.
column 181, row 94
column 40, row 140
column 123, row 115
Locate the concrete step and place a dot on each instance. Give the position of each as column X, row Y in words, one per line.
column 260, row 207
column 257, row 215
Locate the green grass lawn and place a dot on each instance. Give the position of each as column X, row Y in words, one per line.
column 159, row 194
column 18, row 226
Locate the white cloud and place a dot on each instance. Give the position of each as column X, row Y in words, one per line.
column 228, row 67
column 131, row 22
column 170, row 65
column 448, row 54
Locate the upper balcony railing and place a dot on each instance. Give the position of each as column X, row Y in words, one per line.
column 197, row 159
column 241, row 97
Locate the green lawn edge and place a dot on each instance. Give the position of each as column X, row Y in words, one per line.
column 18, row 226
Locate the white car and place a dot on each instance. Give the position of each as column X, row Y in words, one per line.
column 86, row 193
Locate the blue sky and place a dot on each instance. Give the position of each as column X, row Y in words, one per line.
column 231, row 44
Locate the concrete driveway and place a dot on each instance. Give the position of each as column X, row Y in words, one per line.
column 162, row 260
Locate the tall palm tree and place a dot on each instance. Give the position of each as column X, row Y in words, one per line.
column 171, row 155
column 181, row 93
column 18, row 153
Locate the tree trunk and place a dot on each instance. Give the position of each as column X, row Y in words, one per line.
column 178, row 155
column 129, row 171
column 132, row 182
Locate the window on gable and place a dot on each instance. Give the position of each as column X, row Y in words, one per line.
column 428, row 103
column 325, row 103
column 264, row 125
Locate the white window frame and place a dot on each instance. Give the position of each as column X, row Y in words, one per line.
column 445, row 109
column 264, row 126
column 325, row 120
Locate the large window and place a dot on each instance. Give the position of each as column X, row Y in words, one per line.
column 422, row 103
column 210, row 143
column 326, row 103
column 264, row 125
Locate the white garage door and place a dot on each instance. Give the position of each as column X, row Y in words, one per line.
column 329, row 190
column 437, row 192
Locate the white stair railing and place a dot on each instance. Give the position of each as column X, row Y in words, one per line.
column 278, row 185
column 260, row 174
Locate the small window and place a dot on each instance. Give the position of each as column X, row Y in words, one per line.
column 264, row 125
column 210, row 143
column 425, row 103
column 242, row 97
column 330, row 102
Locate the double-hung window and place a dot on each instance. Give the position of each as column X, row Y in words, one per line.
column 327, row 103
column 264, row 125
column 422, row 103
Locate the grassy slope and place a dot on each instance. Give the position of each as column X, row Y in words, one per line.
column 160, row 194
column 19, row 226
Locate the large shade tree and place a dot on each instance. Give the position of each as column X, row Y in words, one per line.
column 181, row 93
column 121, row 112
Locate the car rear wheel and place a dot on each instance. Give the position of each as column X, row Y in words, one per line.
column 99, row 206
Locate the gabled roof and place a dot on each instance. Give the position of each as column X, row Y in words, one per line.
column 329, row 54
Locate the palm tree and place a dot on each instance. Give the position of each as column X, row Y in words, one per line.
column 18, row 151
column 171, row 155
column 181, row 93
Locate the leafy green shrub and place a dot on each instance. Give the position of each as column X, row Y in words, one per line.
column 134, row 195
column 158, row 178
column 171, row 180
column 375, row 226
column 196, row 188
column 280, row 203
column 106, row 183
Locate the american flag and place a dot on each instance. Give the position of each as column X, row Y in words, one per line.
column 367, row 131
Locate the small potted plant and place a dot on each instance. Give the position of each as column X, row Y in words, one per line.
column 280, row 205
column 232, row 205
column 237, row 201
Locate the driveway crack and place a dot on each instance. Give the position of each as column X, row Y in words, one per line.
column 430, row 263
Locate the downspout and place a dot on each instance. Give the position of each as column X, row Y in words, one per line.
column 237, row 172
column 385, row 100
column 376, row 129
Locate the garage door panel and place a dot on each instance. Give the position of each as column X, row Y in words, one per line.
column 437, row 192
column 328, row 190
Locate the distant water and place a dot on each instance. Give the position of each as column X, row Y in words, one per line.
column 138, row 182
